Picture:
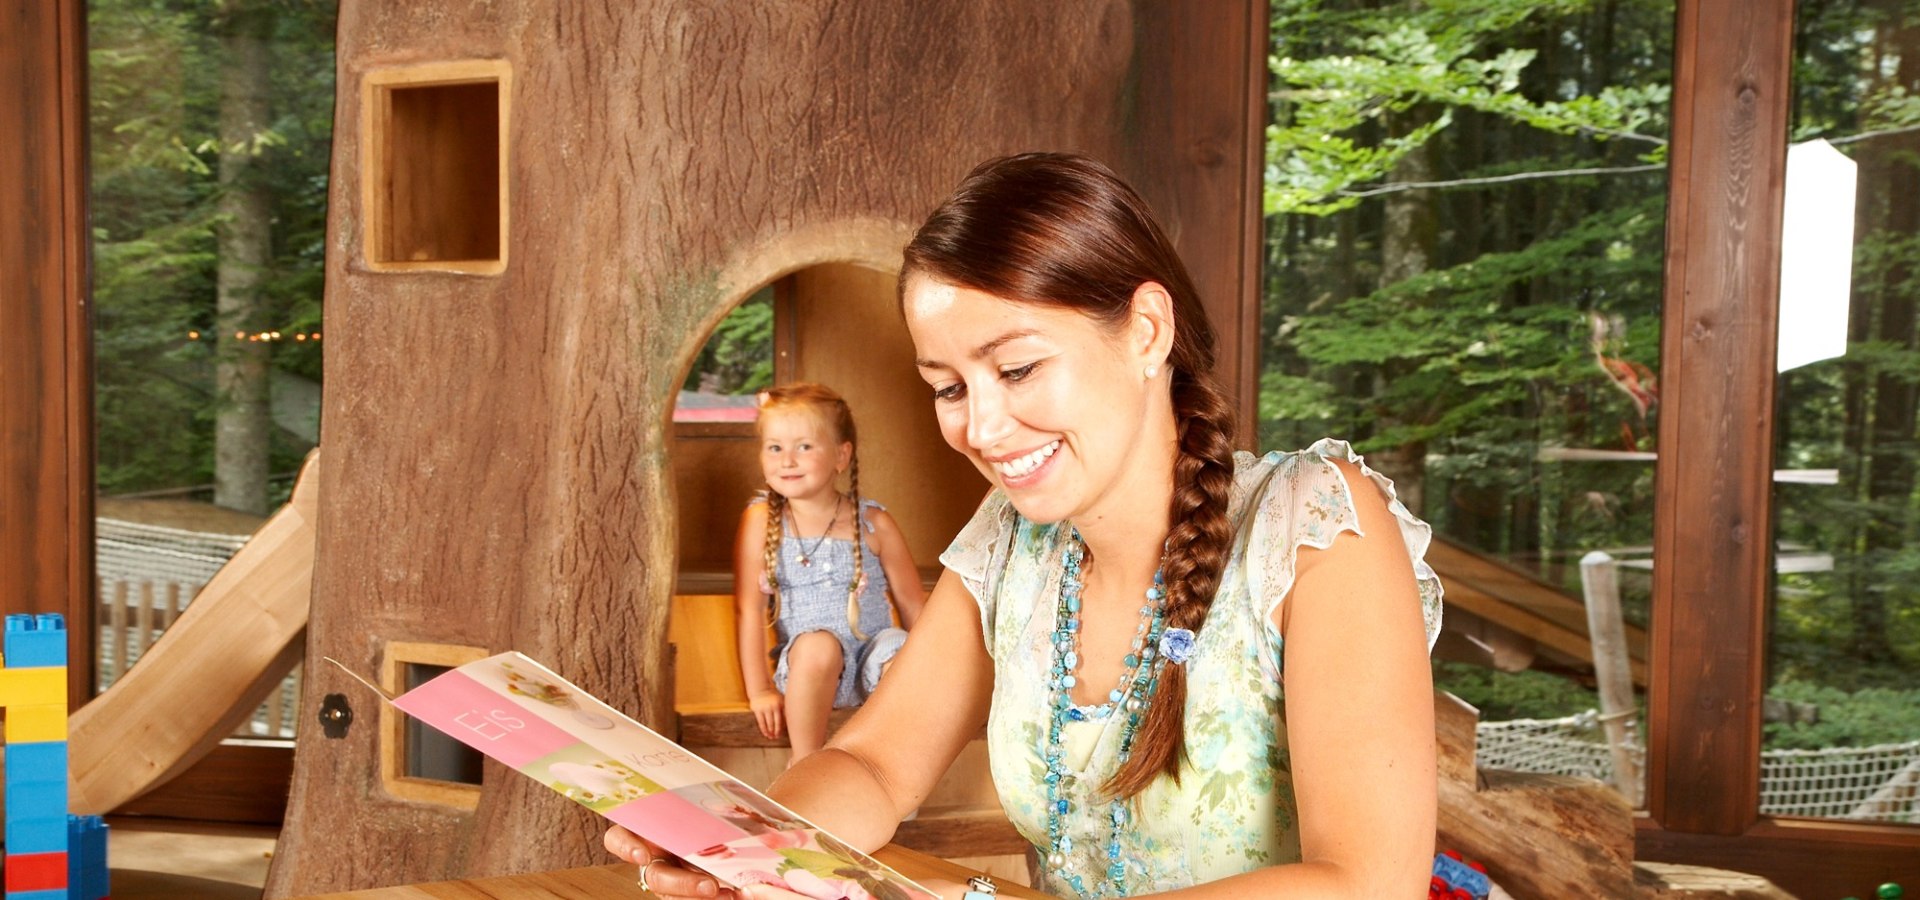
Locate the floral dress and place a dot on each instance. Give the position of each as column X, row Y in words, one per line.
column 1233, row 809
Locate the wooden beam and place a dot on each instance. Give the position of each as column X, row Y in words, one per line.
column 46, row 390
column 1713, row 479
column 1807, row 857
column 1203, row 85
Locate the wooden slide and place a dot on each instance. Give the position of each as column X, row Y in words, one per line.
column 207, row 673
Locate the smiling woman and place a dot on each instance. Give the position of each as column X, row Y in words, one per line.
column 1114, row 613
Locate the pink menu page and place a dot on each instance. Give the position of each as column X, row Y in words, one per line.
column 522, row 714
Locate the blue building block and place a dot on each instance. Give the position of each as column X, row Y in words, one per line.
column 40, row 762
column 55, row 894
column 38, row 798
column 37, row 834
column 35, row 641
column 86, row 858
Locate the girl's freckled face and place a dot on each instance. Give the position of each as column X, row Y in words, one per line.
column 799, row 455
column 1045, row 401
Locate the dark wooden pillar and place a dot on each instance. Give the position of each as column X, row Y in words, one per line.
column 1199, row 157
column 46, row 391
column 1713, row 526
column 1713, row 529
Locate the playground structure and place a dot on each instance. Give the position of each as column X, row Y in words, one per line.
column 550, row 470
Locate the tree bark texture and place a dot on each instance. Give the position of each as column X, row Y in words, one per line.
column 497, row 473
column 243, row 421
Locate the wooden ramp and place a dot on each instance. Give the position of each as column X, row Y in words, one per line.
column 1515, row 605
column 212, row 668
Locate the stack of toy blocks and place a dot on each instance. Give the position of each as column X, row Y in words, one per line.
column 50, row 855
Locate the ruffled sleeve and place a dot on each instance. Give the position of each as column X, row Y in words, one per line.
column 1307, row 501
column 866, row 505
column 979, row 553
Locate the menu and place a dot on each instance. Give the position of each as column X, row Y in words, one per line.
column 524, row 715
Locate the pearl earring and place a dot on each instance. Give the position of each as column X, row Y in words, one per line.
column 1152, row 370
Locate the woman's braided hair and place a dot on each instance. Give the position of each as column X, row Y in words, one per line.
column 831, row 409
column 1064, row 231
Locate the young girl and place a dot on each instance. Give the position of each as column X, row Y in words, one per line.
column 803, row 559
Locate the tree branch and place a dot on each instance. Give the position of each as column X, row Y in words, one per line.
column 1399, row 186
column 1865, row 135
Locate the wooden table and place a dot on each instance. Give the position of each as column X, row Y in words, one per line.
column 620, row 880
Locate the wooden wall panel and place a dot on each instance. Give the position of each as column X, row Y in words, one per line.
column 498, row 454
column 46, row 392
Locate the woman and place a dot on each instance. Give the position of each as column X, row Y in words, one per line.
column 1115, row 612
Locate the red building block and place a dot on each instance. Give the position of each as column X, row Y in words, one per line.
column 36, row 872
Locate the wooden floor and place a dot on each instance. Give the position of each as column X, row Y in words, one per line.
column 167, row 859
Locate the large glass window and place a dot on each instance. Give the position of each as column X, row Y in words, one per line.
column 210, row 132
column 1464, row 254
column 1843, row 733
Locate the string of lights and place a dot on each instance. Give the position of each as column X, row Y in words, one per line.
column 258, row 336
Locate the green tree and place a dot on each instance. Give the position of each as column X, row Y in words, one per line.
column 165, row 197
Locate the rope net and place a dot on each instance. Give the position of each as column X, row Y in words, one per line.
column 1880, row 783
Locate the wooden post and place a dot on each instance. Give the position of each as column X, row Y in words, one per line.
column 1714, row 476
column 1601, row 583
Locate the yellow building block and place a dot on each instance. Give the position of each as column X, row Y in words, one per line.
column 36, row 723
column 37, row 686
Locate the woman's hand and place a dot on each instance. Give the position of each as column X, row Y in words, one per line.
column 669, row 878
column 662, row 874
column 769, row 710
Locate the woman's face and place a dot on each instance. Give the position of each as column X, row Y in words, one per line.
column 1049, row 404
column 798, row 452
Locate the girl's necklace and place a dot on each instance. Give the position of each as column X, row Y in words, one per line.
column 1137, row 682
column 806, row 552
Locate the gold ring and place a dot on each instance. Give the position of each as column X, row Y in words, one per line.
column 643, row 874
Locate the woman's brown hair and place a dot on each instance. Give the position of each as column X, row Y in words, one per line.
column 821, row 401
column 1064, row 231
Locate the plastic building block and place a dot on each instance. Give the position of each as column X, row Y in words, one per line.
column 86, row 858
column 38, row 798
column 36, row 723
column 37, row 763
column 36, row 872
column 37, row 834
column 1454, row 877
column 33, row 641
column 35, row 686
column 49, row 855
column 39, row 895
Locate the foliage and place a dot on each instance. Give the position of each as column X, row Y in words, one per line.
column 1464, row 262
column 1530, row 297
column 1514, row 695
column 1858, row 719
column 738, row 356
column 154, row 93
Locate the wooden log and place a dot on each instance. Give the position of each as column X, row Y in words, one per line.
column 207, row 673
column 1539, row 835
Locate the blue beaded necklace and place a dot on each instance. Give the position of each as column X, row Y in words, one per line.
column 1137, row 682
